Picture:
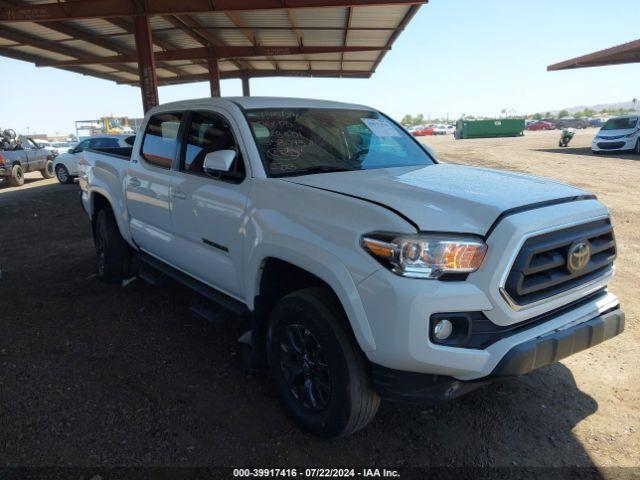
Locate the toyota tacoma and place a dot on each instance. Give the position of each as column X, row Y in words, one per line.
column 370, row 270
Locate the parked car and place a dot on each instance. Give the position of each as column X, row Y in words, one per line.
column 444, row 130
column 423, row 130
column 26, row 156
column 335, row 237
column 579, row 123
column 66, row 164
column 618, row 134
column 61, row 147
column 540, row 125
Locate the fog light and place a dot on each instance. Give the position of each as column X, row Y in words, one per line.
column 443, row 329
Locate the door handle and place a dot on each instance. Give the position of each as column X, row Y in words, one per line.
column 134, row 182
column 178, row 194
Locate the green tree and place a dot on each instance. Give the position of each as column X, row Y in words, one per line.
column 407, row 119
column 563, row 113
column 588, row 112
column 418, row 119
column 537, row 116
column 578, row 114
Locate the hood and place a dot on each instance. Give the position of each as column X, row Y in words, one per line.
column 616, row 133
column 444, row 197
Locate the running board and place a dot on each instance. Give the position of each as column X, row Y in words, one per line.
column 222, row 299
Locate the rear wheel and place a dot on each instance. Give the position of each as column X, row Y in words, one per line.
column 320, row 374
column 47, row 171
column 112, row 252
column 637, row 149
column 63, row 174
column 17, row 176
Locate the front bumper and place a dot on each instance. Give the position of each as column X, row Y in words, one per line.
column 620, row 144
column 409, row 387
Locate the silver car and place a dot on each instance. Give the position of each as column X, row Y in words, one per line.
column 28, row 156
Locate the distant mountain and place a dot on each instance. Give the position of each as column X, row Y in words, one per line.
column 597, row 107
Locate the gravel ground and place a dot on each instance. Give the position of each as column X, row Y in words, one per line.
column 98, row 375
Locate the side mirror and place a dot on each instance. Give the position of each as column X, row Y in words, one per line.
column 71, row 150
column 219, row 162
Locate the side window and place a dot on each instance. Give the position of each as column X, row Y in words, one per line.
column 104, row 143
column 82, row 146
column 208, row 133
column 161, row 139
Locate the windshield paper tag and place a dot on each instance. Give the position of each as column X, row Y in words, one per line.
column 380, row 128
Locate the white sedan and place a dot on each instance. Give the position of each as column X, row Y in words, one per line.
column 618, row 134
column 66, row 164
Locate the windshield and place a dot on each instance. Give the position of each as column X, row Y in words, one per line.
column 300, row 141
column 620, row 123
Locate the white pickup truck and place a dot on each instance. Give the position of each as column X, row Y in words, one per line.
column 369, row 269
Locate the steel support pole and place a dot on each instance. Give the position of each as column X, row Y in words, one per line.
column 245, row 87
column 146, row 62
column 214, row 77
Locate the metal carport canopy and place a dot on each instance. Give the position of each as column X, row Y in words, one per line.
column 619, row 55
column 164, row 42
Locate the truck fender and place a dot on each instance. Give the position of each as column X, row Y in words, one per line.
column 323, row 265
column 119, row 212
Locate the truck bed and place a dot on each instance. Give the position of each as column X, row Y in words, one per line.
column 123, row 153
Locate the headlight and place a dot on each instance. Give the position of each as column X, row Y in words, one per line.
column 632, row 134
column 426, row 256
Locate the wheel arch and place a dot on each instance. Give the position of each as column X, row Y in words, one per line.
column 99, row 200
column 278, row 275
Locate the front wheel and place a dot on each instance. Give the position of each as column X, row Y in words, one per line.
column 320, row 374
column 637, row 149
column 47, row 171
column 63, row 174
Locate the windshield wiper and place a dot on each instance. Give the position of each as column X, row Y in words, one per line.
column 313, row 170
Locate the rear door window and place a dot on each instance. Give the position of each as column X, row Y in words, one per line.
column 160, row 144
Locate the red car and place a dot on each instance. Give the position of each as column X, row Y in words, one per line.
column 541, row 125
column 422, row 131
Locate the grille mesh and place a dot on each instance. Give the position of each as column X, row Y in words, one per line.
column 540, row 269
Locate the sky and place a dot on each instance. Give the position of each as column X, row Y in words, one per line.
column 473, row 57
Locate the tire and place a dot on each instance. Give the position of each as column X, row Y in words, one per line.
column 47, row 171
column 327, row 362
column 63, row 174
column 113, row 254
column 17, row 176
column 637, row 149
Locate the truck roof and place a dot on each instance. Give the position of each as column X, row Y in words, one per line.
column 264, row 102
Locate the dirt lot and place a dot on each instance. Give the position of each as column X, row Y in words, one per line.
column 95, row 375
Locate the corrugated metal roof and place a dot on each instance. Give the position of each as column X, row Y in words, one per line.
column 80, row 41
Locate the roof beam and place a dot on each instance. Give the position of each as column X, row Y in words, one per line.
column 396, row 33
column 618, row 55
column 206, row 53
column 188, row 25
column 128, row 27
column 82, row 9
column 261, row 74
column 74, row 34
column 26, row 57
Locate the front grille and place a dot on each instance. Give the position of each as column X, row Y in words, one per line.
column 610, row 145
column 540, row 269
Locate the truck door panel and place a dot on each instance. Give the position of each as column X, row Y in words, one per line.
column 208, row 212
column 148, row 183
